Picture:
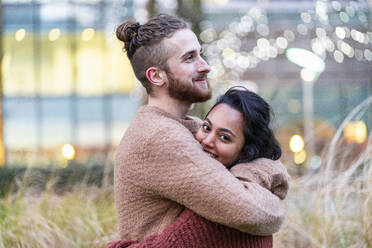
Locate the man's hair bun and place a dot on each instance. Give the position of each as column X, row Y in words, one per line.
column 126, row 32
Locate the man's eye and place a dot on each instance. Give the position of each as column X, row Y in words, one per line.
column 189, row 58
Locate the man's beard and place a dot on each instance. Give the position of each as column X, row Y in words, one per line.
column 185, row 92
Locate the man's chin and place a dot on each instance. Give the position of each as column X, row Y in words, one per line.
column 202, row 97
column 204, row 92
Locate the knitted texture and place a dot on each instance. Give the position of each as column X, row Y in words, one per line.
column 191, row 230
column 271, row 175
column 160, row 167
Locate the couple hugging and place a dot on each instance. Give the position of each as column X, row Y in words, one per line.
column 183, row 182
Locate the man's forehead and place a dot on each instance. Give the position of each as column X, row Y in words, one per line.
column 183, row 41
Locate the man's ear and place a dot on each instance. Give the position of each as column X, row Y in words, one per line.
column 156, row 76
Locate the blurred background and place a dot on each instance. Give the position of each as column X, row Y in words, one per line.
column 68, row 93
column 67, row 85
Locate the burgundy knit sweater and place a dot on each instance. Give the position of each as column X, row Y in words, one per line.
column 193, row 231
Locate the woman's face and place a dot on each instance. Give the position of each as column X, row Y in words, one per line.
column 221, row 134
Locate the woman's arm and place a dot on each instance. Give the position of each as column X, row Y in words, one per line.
column 270, row 174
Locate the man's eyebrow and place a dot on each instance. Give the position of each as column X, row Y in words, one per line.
column 188, row 53
column 191, row 52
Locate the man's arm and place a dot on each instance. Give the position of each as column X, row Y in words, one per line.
column 178, row 169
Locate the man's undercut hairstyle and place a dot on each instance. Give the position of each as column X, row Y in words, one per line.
column 143, row 45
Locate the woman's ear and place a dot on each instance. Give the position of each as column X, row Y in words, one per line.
column 156, row 76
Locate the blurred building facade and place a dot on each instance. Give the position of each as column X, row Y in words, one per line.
column 66, row 81
column 65, row 77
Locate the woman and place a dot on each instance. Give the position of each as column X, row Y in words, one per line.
column 235, row 131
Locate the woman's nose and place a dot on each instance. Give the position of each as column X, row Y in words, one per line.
column 208, row 141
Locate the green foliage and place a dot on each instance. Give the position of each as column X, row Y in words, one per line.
column 64, row 179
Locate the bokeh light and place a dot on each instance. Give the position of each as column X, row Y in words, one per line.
column 315, row 162
column 87, row 34
column 54, row 34
column 355, row 132
column 302, row 29
column 368, row 54
column 68, row 151
column 299, row 157
column 306, row 17
column 307, row 75
column 20, row 34
column 296, row 143
column 340, row 32
column 344, row 17
column 338, row 56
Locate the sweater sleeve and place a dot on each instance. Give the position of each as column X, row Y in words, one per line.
column 178, row 169
column 270, row 174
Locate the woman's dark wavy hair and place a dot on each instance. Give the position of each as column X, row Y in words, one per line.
column 259, row 138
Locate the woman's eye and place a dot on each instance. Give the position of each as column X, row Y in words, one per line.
column 205, row 127
column 225, row 138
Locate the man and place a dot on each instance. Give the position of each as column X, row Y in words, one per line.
column 160, row 168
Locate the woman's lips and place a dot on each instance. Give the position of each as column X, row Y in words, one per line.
column 211, row 154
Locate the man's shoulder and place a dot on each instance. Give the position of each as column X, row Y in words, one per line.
column 156, row 121
column 148, row 125
column 152, row 133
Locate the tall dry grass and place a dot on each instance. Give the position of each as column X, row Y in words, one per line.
column 327, row 208
column 333, row 207
column 85, row 217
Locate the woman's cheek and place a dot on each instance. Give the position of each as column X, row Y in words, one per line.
column 199, row 136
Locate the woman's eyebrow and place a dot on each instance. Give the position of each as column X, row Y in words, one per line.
column 227, row 130
column 209, row 121
column 221, row 129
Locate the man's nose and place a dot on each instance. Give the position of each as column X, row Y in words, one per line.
column 203, row 66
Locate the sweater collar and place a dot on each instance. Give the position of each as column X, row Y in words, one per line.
column 190, row 122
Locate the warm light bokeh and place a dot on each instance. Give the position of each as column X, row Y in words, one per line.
column 355, row 132
column 296, row 143
column 91, row 68
column 68, row 151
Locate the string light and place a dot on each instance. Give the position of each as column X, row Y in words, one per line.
column 340, row 32
column 329, row 39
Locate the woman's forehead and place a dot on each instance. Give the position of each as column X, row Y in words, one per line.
column 224, row 116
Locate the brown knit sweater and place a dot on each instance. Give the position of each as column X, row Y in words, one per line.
column 160, row 168
column 191, row 230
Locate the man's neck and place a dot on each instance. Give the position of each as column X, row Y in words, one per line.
column 172, row 106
